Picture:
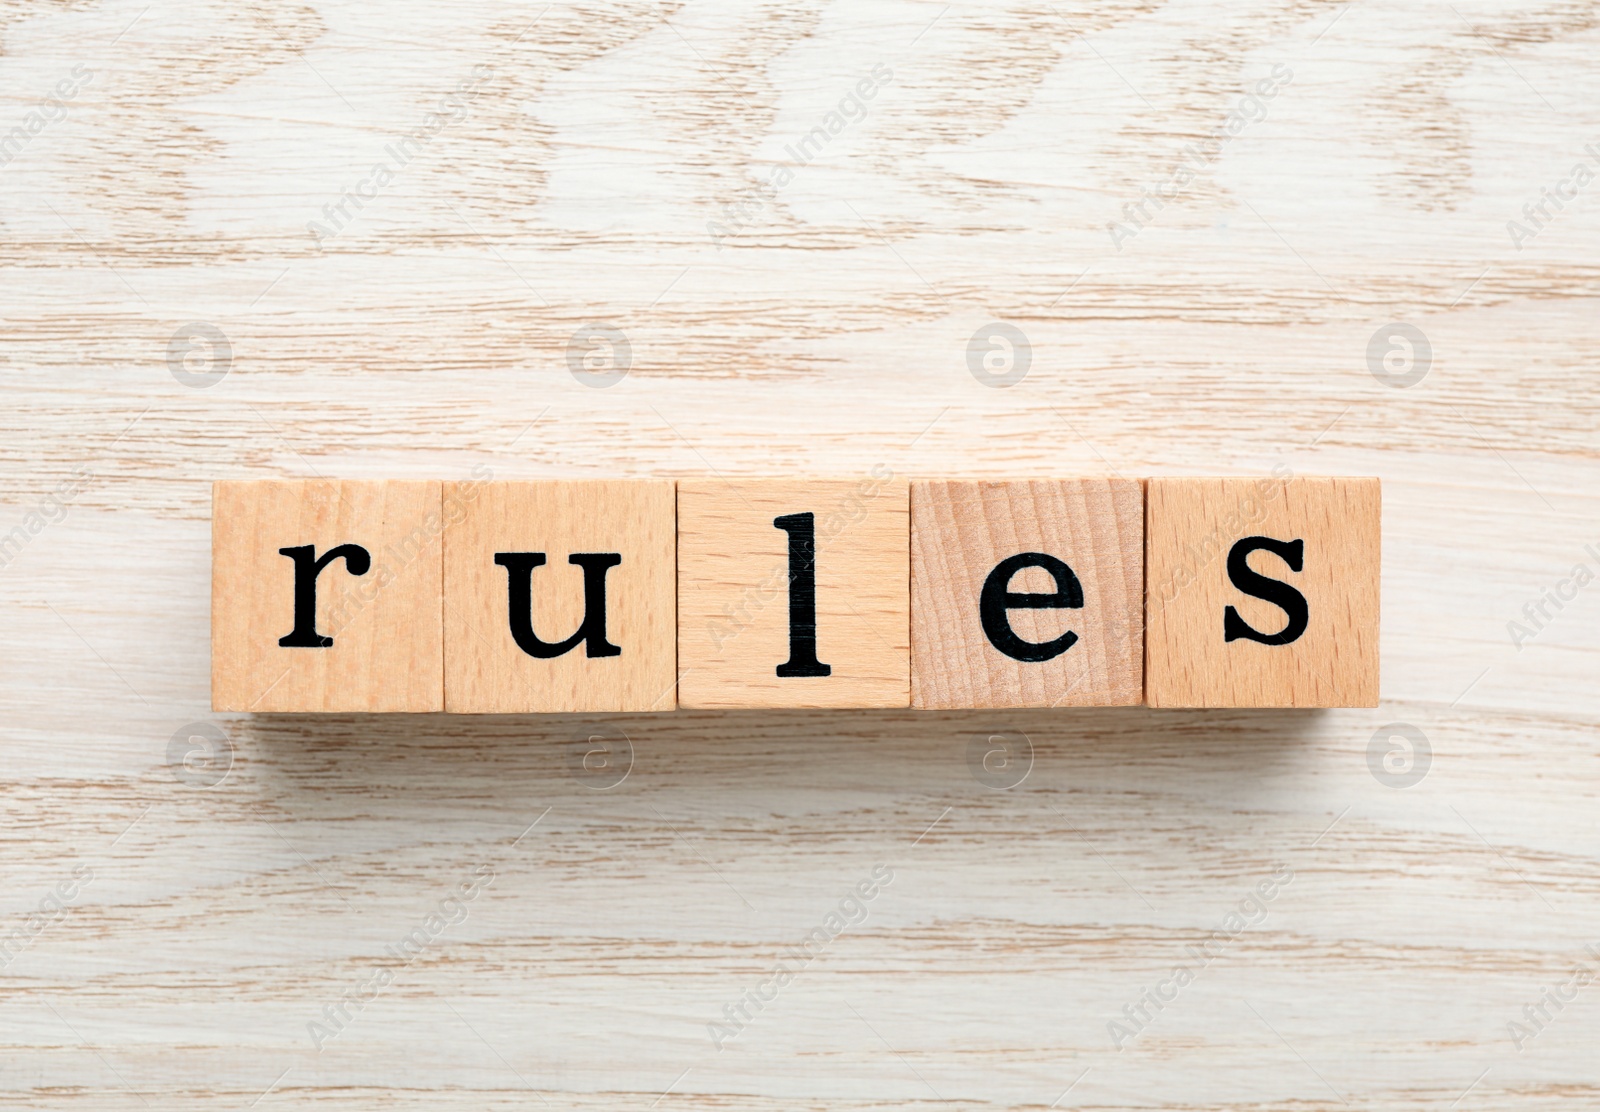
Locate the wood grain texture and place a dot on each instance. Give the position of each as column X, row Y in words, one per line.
column 240, row 886
column 1192, row 527
column 960, row 531
column 486, row 672
column 376, row 606
column 735, row 627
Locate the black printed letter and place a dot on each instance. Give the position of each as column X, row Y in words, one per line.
column 307, row 567
column 802, row 660
column 519, row 580
column 996, row 599
column 1280, row 594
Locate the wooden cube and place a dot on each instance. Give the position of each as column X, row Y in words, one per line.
column 325, row 596
column 794, row 593
column 1027, row 593
column 1262, row 593
column 559, row 596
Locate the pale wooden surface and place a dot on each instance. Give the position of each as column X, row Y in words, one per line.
column 961, row 530
column 387, row 651
column 485, row 671
column 1227, row 337
column 1191, row 527
column 733, row 592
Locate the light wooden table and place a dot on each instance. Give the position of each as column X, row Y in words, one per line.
column 607, row 166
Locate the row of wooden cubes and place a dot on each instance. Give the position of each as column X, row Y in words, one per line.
column 647, row 595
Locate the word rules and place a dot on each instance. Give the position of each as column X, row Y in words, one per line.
column 648, row 595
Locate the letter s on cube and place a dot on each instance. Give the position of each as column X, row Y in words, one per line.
column 1283, row 613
